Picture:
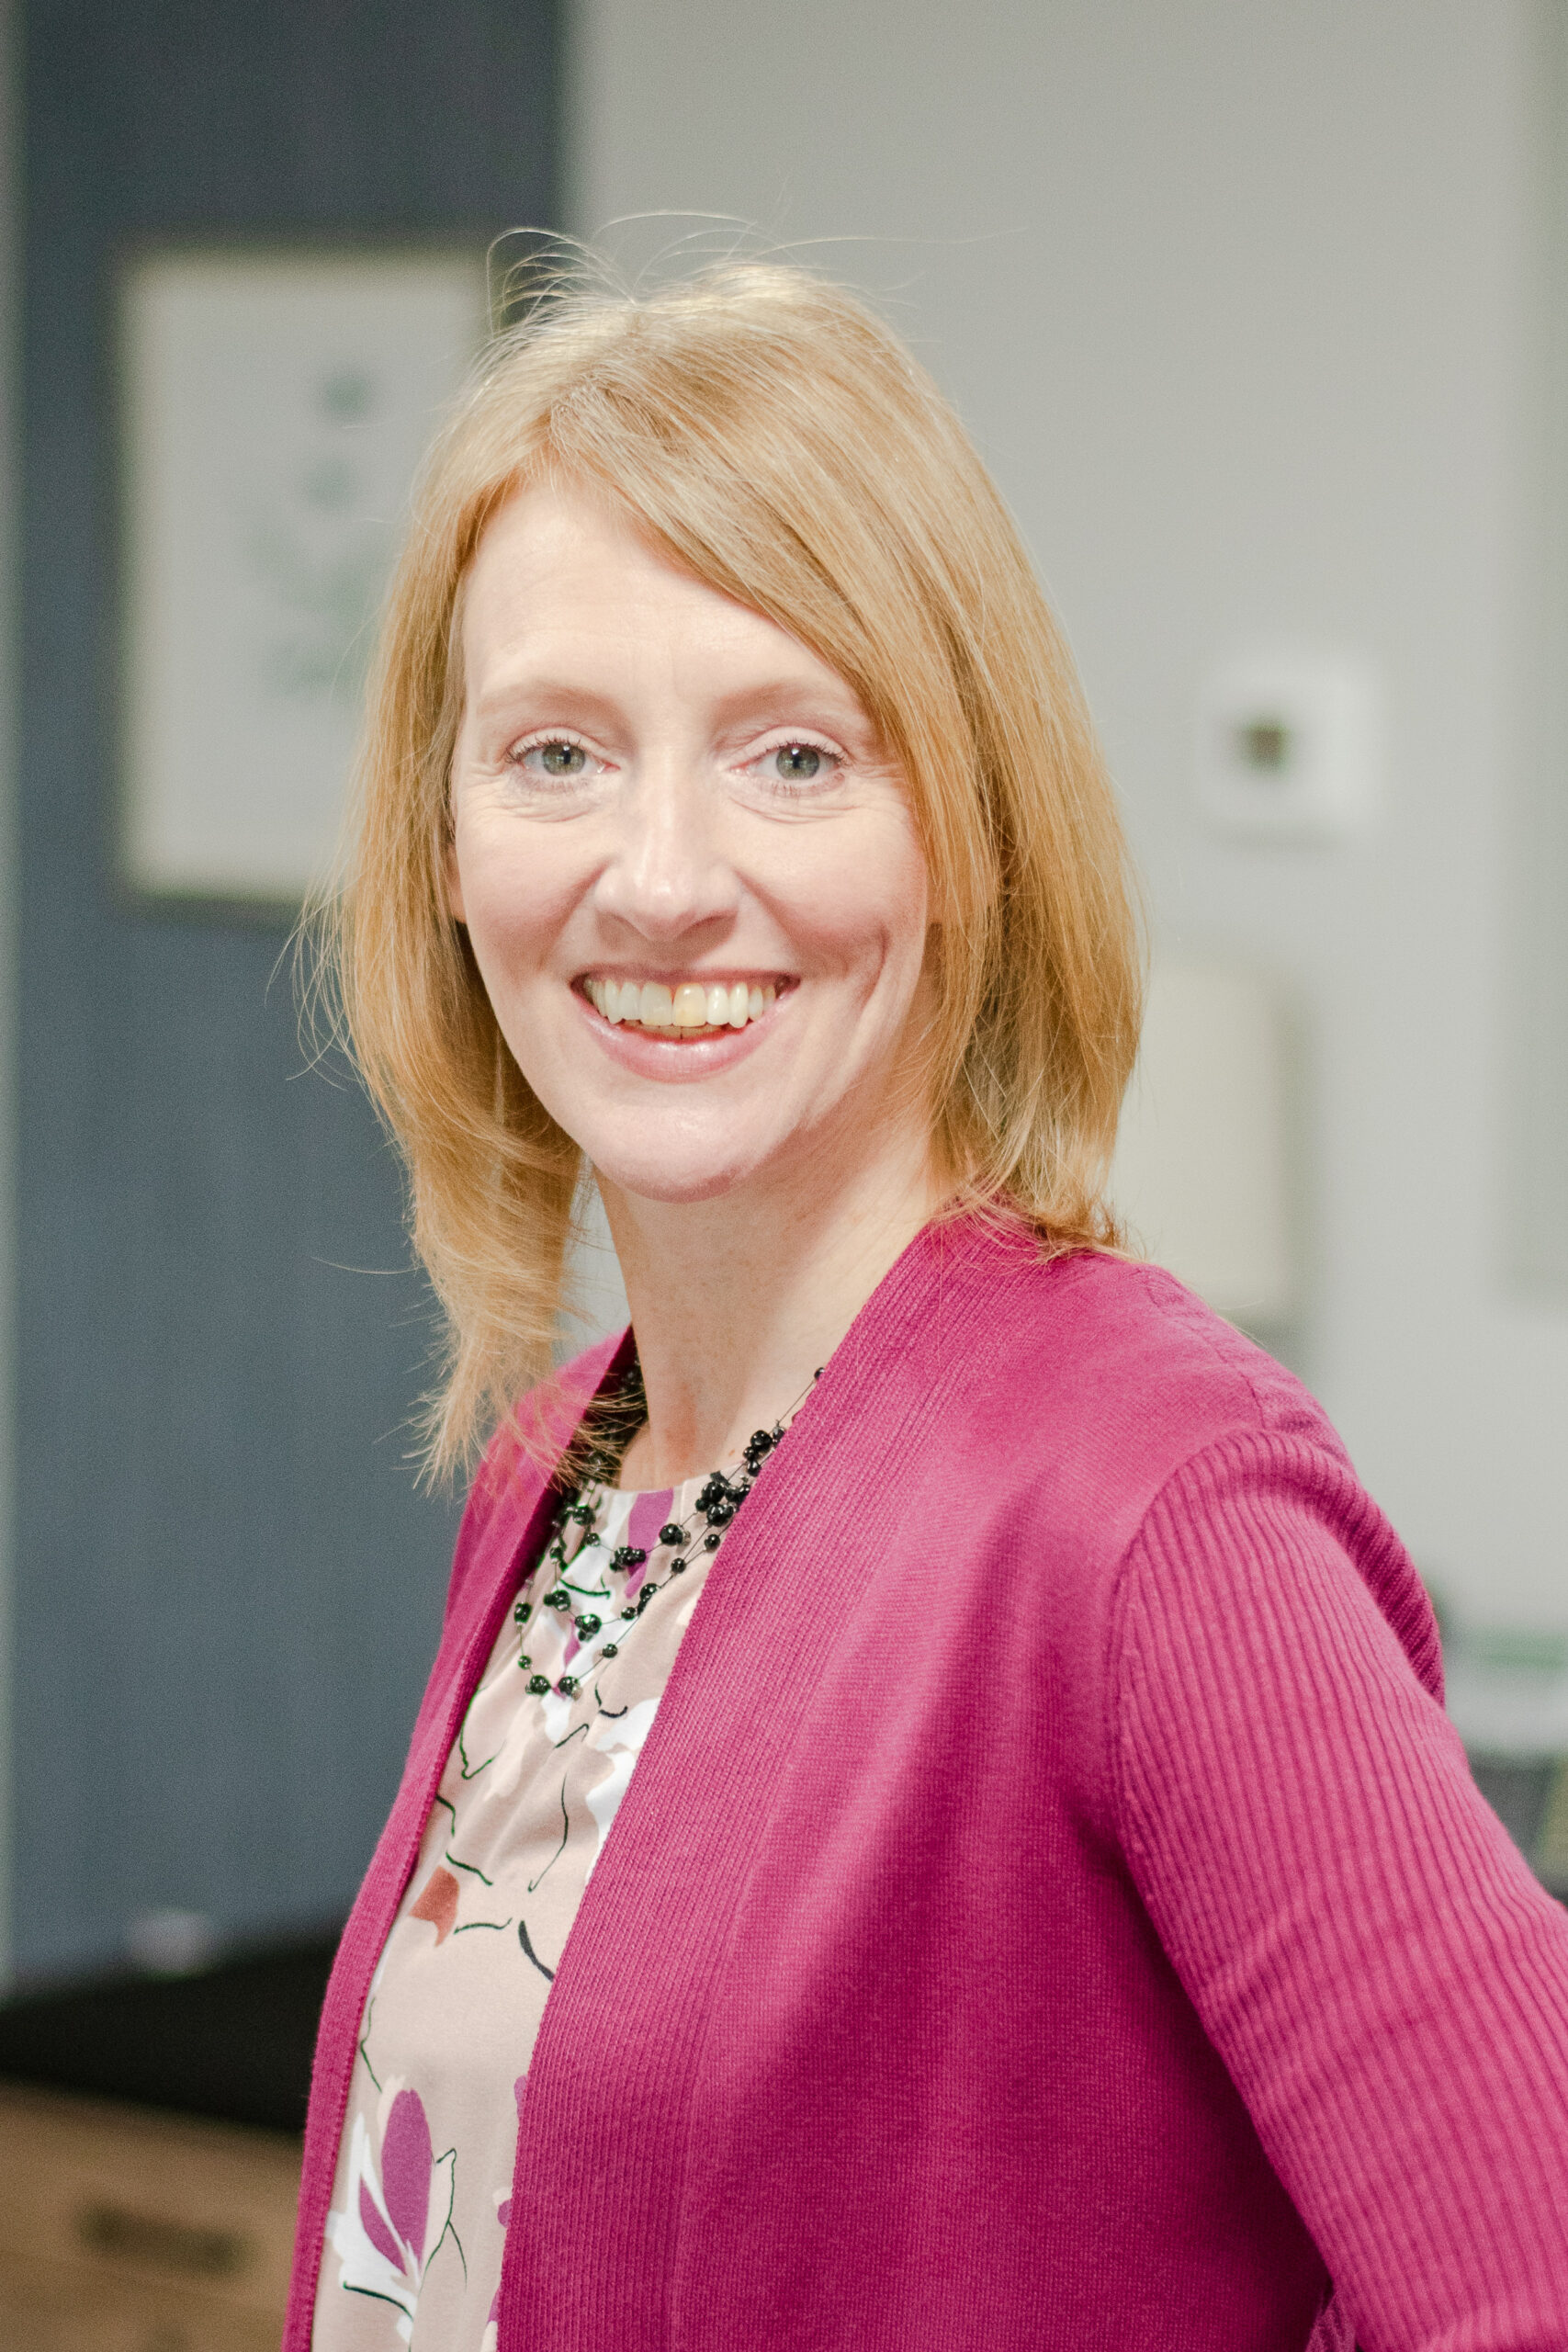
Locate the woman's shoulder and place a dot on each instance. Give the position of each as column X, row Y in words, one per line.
column 1113, row 1401
column 1089, row 1341
column 1194, row 1370
column 1084, row 1402
column 1076, row 1394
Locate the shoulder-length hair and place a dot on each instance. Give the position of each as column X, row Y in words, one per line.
column 770, row 435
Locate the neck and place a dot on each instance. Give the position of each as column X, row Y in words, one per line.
column 738, row 1302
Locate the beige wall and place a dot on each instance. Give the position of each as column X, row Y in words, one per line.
column 1234, row 295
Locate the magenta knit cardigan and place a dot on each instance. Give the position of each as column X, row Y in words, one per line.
column 1051, row 1910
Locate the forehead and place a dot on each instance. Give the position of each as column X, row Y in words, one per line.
column 563, row 575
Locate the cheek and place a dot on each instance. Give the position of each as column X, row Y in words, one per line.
column 864, row 905
column 513, row 897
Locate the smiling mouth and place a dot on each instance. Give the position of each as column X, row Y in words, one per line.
column 683, row 1008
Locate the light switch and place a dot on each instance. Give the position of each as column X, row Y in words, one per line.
column 1288, row 747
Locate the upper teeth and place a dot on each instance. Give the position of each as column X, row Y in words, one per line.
column 654, row 1004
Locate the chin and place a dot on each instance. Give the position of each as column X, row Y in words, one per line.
column 645, row 1181
column 652, row 1173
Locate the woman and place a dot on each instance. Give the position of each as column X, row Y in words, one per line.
column 1050, row 1907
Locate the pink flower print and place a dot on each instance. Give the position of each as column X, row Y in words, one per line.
column 649, row 1514
column 645, row 1519
column 397, row 2219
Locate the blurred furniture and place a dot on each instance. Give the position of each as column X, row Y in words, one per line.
column 150, row 2156
column 1202, row 1166
column 123, row 2230
column 1508, row 1698
column 1530, row 1795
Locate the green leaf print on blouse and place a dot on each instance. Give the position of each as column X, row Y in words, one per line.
column 440, row 1898
column 400, row 2212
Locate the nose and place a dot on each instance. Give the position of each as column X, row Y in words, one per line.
column 667, row 876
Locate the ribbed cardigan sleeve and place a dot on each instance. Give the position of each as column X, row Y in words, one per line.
column 1385, row 1982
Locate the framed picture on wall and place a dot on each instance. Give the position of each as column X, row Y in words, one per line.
column 274, row 408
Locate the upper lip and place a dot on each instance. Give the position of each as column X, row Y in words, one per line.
column 704, row 975
column 702, row 978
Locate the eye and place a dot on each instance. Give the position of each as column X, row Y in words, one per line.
column 795, row 769
column 556, row 758
column 796, row 763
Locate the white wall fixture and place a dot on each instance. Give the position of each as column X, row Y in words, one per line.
column 1201, row 1173
column 274, row 408
column 172, row 1942
column 1288, row 747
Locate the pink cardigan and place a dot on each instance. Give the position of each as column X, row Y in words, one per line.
column 1051, row 1909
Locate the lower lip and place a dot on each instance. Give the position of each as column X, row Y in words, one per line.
column 675, row 1057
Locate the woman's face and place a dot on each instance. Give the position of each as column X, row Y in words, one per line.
column 687, row 868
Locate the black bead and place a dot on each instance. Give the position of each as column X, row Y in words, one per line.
column 669, row 1533
column 627, row 1556
column 524, row 1663
column 559, row 1599
column 587, row 1625
column 609, row 1650
column 521, row 1614
column 567, row 1685
column 720, row 1514
column 712, row 1542
column 761, row 1441
column 630, row 1612
column 677, row 1568
column 645, row 1595
column 538, row 1685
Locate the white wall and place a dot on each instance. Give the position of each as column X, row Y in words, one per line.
column 1236, row 296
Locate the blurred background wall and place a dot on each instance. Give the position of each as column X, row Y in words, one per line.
column 1244, row 301
column 226, row 1592
column 1240, row 298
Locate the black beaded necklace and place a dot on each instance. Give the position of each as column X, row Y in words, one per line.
column 703, row 1528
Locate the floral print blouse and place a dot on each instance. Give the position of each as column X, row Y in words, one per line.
column 547, row 1748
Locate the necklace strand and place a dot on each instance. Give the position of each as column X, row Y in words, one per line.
column 704, row 1528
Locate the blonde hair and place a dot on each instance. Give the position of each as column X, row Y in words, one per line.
column 768, row 432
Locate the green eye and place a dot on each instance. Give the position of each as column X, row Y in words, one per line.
column 562, row 759
column 797, row 762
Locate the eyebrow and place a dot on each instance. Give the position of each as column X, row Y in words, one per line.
column 506, row 696
column 787, row 694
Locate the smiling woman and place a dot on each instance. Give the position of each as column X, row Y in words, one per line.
column 758, row 478
column 933, row 1823
column 666, row 811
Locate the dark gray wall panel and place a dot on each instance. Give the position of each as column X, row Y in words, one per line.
column 227, row 1589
